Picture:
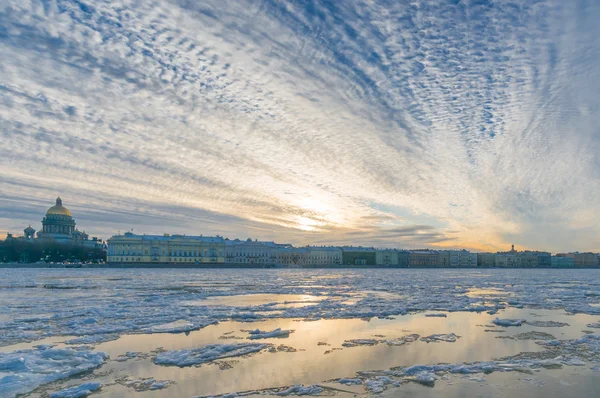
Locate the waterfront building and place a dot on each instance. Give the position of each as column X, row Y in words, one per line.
column 584, row 259
column 507, row 259
column 358, row 255
column 562, row 261
column 444, row 258
column 387, row 257
column 403, row 256
column 486, row 260
column 323, row 255
column 292, row 256
column 457, row 258
column 250, row 252
column 177, row 249
column 423, row 258
column 534, row 259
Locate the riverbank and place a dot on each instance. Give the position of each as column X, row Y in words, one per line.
column 252, row 266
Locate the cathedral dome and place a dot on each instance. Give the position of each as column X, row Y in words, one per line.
column 58, row 209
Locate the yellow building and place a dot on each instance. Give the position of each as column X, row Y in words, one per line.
column 323, row 255
column 131, row 248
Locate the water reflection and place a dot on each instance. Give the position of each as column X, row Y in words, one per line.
column 250, row 300
column 320, row 354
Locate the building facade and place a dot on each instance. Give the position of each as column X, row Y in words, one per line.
column 486, row 260
column 562, row 262
column 176, row 249
column 457, row 259
column 386, row 257
column 353, row 255
column 291, row 256
column 507, row 259
column 423, row 258
column 534, row 259
column 584, row 259
column 323, row 256
column 250, row 252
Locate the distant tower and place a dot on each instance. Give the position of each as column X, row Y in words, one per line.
column 512, row 249
column 29, row 233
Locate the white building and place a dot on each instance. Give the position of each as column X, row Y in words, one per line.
column 323, row 255
column 250, row 252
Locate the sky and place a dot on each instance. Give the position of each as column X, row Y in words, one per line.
column 461, row 124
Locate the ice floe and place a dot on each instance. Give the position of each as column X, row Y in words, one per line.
column 508, row 322
column 379, row 384
column 80, row 391
column 144, row 384
column 301, row 390
column 360, row 342
column 349, row 382
column 547, row 324
column 403, row 340
column 448, row 338
column 425, row 377
column 259, row 334
column 534, row 335
column 93, row 339
column 23, row 371
column 208, row 353
column 295, row 390
column 154, row 301
column 179, row 326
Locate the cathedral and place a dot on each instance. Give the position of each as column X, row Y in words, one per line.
column 58, row 225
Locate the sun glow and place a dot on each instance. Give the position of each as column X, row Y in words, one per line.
column 308, row 224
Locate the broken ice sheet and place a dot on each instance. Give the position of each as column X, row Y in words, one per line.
column 80, row 391
column 448, row 338
column 361, row 342
column 25, row 370
column 144, row 384
column 508, row 322
column 259, row 334
column 208, row 353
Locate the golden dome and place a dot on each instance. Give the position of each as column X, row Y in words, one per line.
column 58, row 209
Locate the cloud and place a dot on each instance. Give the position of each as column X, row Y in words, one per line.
column 463, row 123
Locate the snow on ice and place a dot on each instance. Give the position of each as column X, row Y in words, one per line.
column 206, row 354
column 508, row 322
column 154, row 301
column 360, row 342
column 448, row 338
column 301, row 390
column 23, row 371
column 80, row 391
column 259, row 334
column 349, row 382
column 93, row 339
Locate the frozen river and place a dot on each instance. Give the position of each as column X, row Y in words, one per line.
column 403, row 332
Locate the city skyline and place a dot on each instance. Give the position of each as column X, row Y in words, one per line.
column 429, row 124
column 30, row 233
